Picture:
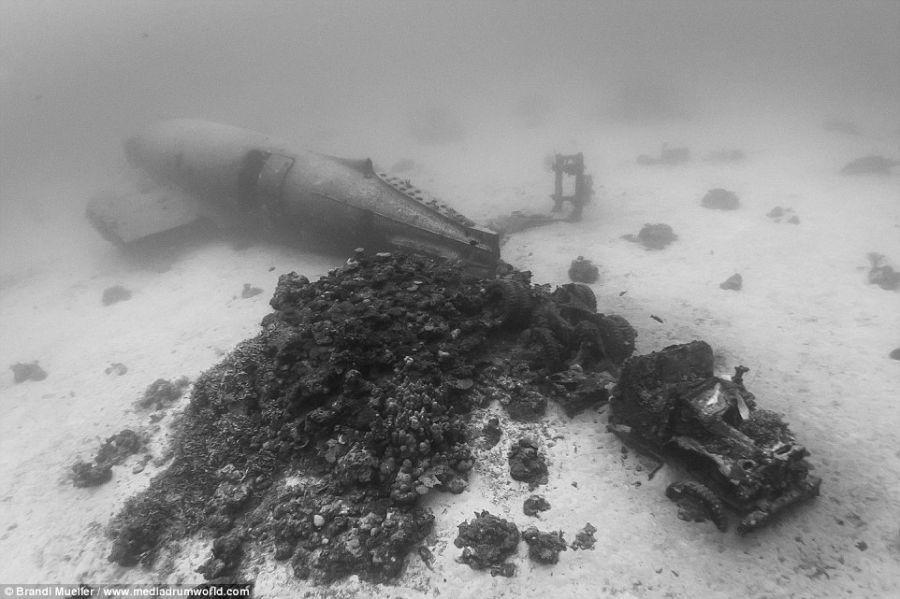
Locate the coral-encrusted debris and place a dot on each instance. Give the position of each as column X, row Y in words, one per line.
column 117, row 448
column 87, row 474
column 582, row 270
column 27, row 372
column 671, row 402
column 524, row 404
column 544, row 547
column 162, row 393
column 486, row 543
column 653, row 236
column 882, row 274
column 114, row 451
column 316, row 439
column 778, row 213
column 579, row 391
column 696, row 502
column 534, row 505
column 526, row 463
column 115, row 294
column 733, row 283
column 585, row 538
column 116, row 368
column 720, row 199
column 226, row 556
column 250, row 291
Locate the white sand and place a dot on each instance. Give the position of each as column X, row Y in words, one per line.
column 815, row 336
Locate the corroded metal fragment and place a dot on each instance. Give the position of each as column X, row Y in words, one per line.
column 671, row 402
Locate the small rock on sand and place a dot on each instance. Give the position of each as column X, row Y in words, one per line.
column 115, row 294
column 720, row 199
column 27, row 372
column 734, row 282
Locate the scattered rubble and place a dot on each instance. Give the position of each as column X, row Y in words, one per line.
column 584, row 539
column 653, row 236
column 578, row 391
column 720, row 199
column 88, row 474
column 526, row 463
column 226, row 556
column 778, row 214
column 161, row 393
column 117, row 448
column 116, row 368
column 30, row 371
column 870, row 165
column 882, row 274
column 486, row 543
column 534, row 505
column 112, row 452
column 544, row 547
column 734, row 283
column 583, row 271
column 522, row 403
column 115, row 294
column 250, row 291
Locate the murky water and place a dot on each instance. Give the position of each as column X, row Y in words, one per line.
column 468, row 99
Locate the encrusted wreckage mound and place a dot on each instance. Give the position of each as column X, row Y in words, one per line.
column 316, row 439
column 486, row 543
column 544, row 547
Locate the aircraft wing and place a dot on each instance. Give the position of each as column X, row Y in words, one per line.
column 136, row 211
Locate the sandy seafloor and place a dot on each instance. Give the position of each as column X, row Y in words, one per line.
column 814, row 334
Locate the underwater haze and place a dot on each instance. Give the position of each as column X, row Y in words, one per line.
column 75, row 77
column 760, row 138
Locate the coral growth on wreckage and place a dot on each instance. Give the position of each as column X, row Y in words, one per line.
column 671, row 402
column 316, row 439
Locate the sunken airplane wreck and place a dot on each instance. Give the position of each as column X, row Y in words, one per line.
column 189, row 171
column 668, row 403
